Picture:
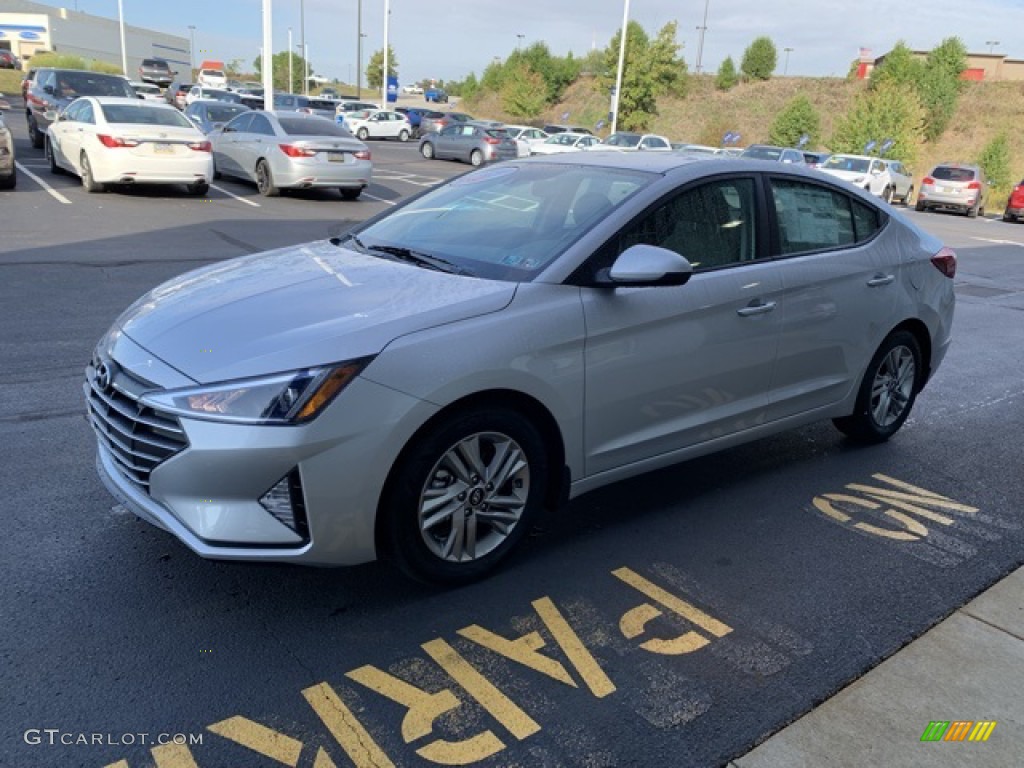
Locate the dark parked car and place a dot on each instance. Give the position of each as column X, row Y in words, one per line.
column 53, row 89
column 473, row 143
column 430, row 124
column 157, row 72
column 208, row 114
column 9, row 61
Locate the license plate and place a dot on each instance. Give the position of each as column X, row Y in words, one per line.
column 163, row 149
column 336, row 157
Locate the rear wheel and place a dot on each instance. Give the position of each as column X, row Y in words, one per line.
column 919, row 206
column 350, row 194
column 887, row 391
column 887, row 195
column 403, row 135
column 9, row 182
column 88, row 180
column 476, row 157
column 199, row 189
column 464, row 495
column 265, row 180
column 972, row 212
column 907, row 197
column 427, row 150
column 55, row 169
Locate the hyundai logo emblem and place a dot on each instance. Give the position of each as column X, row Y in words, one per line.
column 103, row 377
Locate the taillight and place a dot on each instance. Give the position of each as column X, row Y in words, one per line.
column 974, row 185
column 292, row 151
column 363, row 154
column 201, row 146
column 945, row 262
column 928, row 180
column 115, row 142
column 492, row 140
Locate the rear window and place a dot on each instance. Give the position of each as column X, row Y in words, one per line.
column 143, row 115
column 155, row 63
column 763, row 153
column 953, row 174
column 222, row 113
column 213, row 72
column 313, row 126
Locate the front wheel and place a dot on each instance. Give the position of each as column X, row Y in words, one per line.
column 972, row 212
column 476, row 157
column 199, row 189
column 34, row 134
column 363, row 134
column 464, row 494
column 55, row 169
column 919, row 206
column 887, row 195
column 265, row 180
column 887, row 392
column 907, row 197
column 403, row 135
column 427, row 150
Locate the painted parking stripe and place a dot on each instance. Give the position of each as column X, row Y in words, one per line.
column 237, row 197
column 379, row 199
column 53, row 192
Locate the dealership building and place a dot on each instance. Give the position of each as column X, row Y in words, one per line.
column 27, row 28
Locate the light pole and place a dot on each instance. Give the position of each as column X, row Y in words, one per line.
column 267, row 57
column 622, row 60
column 359, row 50
column 700, row 43
column 124, row 51
column 191, row 51
column 991, row 44
column 785, row 69
column 302, row 34
column 384, row 74
column 519, row 41
column 291, row 77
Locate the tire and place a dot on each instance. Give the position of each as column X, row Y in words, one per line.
column 88, row 181
column 972, row 213
column 350, row 194
column 887, row 195
column 403, row 136
column 34, row 134
column 919, row 206
column 55, row 169
column 363, row 134
column 981, row 211
column 455, row 460
column 199, row 189
column 427, row 150
column 908, row 196
column 887, row 392
column 476, row 157
column 9, row 182
column 265, row 180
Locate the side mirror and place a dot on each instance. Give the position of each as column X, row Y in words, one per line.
column 647, row 266
column 48, row 89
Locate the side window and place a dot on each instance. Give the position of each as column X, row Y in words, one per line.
column 72, row 112
column 260, row 125
column 242, row 124
column 810, row 218
column 713, row 225
column 85, row 114
column 865, row 221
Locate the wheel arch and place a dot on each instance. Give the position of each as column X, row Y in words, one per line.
column 528, row 406
column 920, row 332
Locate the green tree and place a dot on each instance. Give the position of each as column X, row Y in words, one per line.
column 279, row 62
column 375, row 69
column 760, row 59
column 799, row 117
column 899, row 66
column 666, row 66
column 524, row 93
column 493, row 77
column 890, row 111
column 995, row 161
column 727, row 77
column 940, row 85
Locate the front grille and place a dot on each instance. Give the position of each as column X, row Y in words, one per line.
column 138, row 437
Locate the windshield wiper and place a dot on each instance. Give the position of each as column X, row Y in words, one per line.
column 420, row 259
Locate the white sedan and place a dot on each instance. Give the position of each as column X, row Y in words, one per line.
column 526, row 137
column 148, row 91
column 378, row 124
column 564, row 142
column 107, row 140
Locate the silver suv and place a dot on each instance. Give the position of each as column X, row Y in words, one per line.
column 954, row 186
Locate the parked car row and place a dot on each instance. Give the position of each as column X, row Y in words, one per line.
column 8, row 170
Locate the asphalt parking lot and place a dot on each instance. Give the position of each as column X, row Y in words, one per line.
column 676, row 619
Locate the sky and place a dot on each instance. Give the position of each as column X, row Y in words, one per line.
column 448, row 40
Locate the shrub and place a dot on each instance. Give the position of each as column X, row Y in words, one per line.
column 760, row 59
column 799, row 117
column 995, row 161
column 890, row 111
column 727, row 77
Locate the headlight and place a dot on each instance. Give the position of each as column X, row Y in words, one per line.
column 284, row 398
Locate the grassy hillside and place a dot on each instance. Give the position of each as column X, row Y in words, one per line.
column 706, row 114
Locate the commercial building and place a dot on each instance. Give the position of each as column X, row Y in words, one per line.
column 980, row 66
column 27, row 28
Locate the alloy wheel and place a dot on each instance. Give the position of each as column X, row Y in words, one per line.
column 893, row 386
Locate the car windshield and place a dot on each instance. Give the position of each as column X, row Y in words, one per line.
column 311, row 126
column 221, row 113
column 763, row 153
column 844, row 163
column 89, row 84
column 140, row 114
column 507, row 222
column 623, row 140
column 953, row 174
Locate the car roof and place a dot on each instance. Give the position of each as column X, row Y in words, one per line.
column 122, row 100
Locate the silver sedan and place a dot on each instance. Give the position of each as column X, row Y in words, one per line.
column 424, row 387
column 291, row 150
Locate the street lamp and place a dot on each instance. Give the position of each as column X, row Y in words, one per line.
column 785, row 70
column 622, row 60
column 519, row 41
column 191, row 50
column 124, row 51
column 700, row 43
column 359, row 50
column 305, row 51
column 384, row 73
column 991, row 44
column 291, row 77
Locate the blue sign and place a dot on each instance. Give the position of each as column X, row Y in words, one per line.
column 803, row 141
column 565, row 115
column 392, row 89
column 870, row 145
column 29, row 36
column 600, row 125
column 886, row 146
column 728, row 138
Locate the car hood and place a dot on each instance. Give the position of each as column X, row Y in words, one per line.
column 298, row 307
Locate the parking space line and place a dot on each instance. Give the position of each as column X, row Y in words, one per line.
column 379, row 199
column 173, row 756
column 237, row 197
column 53, row 192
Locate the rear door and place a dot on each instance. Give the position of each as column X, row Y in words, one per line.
column 228, row 148
column 841, row 291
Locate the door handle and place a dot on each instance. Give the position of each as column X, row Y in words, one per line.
column 756, row 309
column 878, row 280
